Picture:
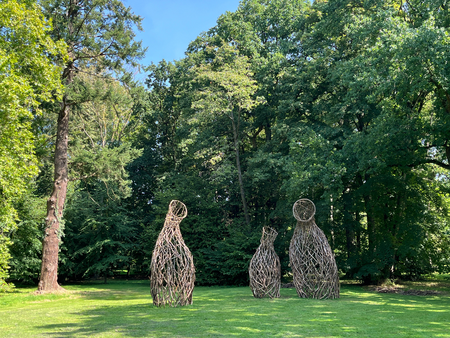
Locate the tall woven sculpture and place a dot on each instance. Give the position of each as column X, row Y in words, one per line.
column 312, row 261
column 172, row 268
column 265, row 268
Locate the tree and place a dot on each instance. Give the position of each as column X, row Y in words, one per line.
column 352, row 116
column 27, row 77
column 228, row 89
column 190, row 151
column 26, row 247
column 98, row 33
column 100, row 233
column 362, row 143
column 264, row 32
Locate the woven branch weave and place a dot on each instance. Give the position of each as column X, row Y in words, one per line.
column 312, row 260
column 265, row 268
column 172, row 268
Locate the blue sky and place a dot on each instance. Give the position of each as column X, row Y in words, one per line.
column 170, row 25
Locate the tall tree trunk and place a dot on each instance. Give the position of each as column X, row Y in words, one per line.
column 268, row 131
column 238, row 165
column 350, row 237
column 370, row 224
column 55, row 204
column 358, row 233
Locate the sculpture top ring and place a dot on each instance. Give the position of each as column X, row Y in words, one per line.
column 177, row 209
column 304, row 210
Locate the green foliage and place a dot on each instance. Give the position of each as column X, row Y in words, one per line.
column 26, row 251
column 229, row 83
column 100, row 32
column 100, row 43
column 367, row 101
column 26, row 248
column 344, row 110
column 100, row 234
column 27, row 77
column 4, row 258
column 345, row 103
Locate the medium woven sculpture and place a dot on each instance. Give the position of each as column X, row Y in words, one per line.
column 172, row 267
column 265, row 268
column 312, row 260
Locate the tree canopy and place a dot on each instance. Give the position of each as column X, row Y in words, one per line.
column 28, row 76
column 342, row 102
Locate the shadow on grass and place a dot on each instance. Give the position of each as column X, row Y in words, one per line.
column 227, row 312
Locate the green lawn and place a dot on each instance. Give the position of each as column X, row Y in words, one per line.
column 124, row 309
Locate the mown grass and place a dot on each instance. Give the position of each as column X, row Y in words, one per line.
column 124, row 309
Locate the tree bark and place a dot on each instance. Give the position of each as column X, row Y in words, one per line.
column 370, row 223
column 238, row 165
column 268, row 131
column 48, row 281
column 358, row 233
column 55, row 205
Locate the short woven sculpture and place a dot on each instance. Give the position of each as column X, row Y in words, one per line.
column 312, row 260
column 265, row 268
column 172, row 268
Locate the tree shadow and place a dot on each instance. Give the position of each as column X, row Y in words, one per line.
column 226, row 312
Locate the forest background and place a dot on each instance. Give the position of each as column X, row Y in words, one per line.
column 345, row 102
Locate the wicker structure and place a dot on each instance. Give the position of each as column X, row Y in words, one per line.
column 265, row 268
column 172, row 267
column 312, row 260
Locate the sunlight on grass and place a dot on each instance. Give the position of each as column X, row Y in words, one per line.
column 248, row 329
column 124, row 309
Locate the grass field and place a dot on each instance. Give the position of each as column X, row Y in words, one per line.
column 124, row 309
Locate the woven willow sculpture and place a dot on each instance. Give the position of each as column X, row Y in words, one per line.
column 172, row 268
column 265, row 268
column 312, row 261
